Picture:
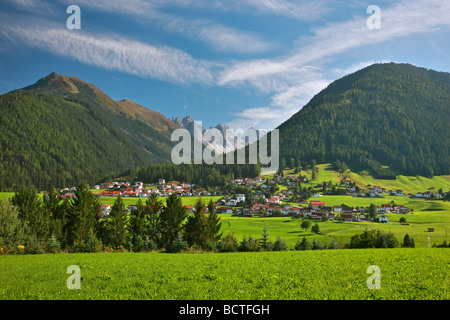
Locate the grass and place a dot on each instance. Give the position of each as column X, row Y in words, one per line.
column 409, row 184
column 329, row 274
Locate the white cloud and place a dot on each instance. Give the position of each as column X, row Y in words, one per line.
column 220, row 38
column 404, row 19
column 299, row 9
column 217, row 36
column 116, row 53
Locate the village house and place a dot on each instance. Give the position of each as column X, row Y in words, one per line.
column 349, row 216
column 105, row 209
column 226, row 210
column 425, row 195
column 383, row 218
column 316, row 205
column 274, row 200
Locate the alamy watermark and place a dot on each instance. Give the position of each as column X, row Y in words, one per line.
column 74, row 281
column 211, row 147
column 374, row 21
column 74, row 21
column 374, row 281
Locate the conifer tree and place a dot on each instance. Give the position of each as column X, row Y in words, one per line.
column 118, row 222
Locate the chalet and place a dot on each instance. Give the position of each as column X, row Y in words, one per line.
column 349, row 216
column 274, row 199
column 383, row 219
column 231, row 202
column 346, row 208
column 337, row 209
column 272, row 210
column 316, row 205
column 130, row 194
column 401, row 209
column 320, row 214
column 226, row 210
column 68, row 195
column 190, row 209
column 385, row 208
column 398, row 193
column 131, row 207
column 105, row 209
column 423, row 194
column 259, row 179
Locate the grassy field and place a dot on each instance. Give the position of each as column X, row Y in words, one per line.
column 409, row 184
column 329, row 274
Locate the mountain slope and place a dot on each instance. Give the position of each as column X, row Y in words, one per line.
column 62, row 130
column 47, row 141
column 147, row 129
column 392, row 115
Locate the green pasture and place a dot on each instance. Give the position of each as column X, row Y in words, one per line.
column 407, row 274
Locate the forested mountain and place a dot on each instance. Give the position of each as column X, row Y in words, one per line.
column 394, row 115
column 147, row 129
column 62, row 130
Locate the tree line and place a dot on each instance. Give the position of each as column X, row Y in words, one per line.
column 48, row 224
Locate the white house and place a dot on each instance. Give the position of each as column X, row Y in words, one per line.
column 383, row 219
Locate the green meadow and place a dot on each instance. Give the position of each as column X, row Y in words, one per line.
column 409, row 184
column 407, row 274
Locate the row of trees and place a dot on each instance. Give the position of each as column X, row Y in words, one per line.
column 76, row 225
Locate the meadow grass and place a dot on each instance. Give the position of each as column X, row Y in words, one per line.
column 291, row 275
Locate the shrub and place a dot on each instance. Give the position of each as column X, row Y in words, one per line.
column 53, row 245
column 228, row 244
column 177, row 246
column 279, row 245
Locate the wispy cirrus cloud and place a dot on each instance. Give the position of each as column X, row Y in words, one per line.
column 404, row 19
column 115, row 53
column 217, row 36
column 291, row 80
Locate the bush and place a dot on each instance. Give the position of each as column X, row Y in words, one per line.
column 249, row 245
column 302, row 245
column 228, row 244
column 33, row 246
column 149, row 245
column 53, row 245
column 333, row 245
column 279, row 245
column 177, row 246
column 317, row 245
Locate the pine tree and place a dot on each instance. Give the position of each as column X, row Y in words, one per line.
column 152, row 211
column 315, row 228
column 117, row 222
column 136, row 227
column 171, row 219
column 214, row 224
column 53, row 245
column 196, row 227
column 83, row 214
column 266, row 243
column 279, row 245
column 303, row 245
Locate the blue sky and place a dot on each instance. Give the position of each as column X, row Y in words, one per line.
column 245, row 63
